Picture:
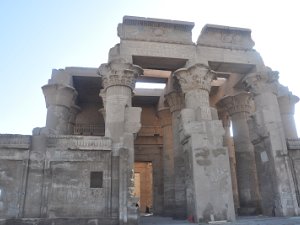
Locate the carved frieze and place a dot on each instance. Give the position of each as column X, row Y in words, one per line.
column 15, row 141
column 198, row 76
column 119, row 73
column 72, row 142
column 261, row 82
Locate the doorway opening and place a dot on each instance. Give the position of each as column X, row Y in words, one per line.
column 143, row 185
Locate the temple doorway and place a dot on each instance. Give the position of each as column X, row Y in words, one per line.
column 143, row 188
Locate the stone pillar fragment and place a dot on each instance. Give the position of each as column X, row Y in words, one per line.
column 287, row 103
column 121, row 123
column 208, row 179
column 228, row 142
column 168, row 160
column 239, row 108
column 175, row 101
column 267, row 134
column 59, row 98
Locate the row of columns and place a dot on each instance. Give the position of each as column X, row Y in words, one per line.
column 264, row 174
column 277, row 187
column 197, row 178
column 239, row 108
column 253, row 184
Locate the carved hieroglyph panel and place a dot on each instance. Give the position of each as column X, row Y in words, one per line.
column 70, row 194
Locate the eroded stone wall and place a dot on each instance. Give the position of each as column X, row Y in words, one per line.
column 54, row 177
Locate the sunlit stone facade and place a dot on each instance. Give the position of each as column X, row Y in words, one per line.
column 110, row 152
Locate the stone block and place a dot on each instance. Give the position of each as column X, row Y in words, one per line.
column 225, row 37
column 157, row 30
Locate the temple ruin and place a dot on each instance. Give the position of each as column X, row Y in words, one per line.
column 111, row 151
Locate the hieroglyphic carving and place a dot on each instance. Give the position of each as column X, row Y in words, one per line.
column 79, row 142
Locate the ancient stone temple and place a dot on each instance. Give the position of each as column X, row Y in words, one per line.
column 112, row 150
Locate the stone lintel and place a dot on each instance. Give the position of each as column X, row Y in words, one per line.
column 135, row 20
column 15, row 141
column 72, row 142
column 157, row 30
column 226, row 37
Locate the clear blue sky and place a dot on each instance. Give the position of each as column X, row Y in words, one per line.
column 39, row 35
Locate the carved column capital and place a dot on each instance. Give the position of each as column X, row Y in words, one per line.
column 287, row 103
column 261, row 82
column 235, row 104
column 198, row 76
column 119, row 74
column 59, row 95
column 175, row 101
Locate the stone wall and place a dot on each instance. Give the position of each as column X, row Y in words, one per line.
column 54, row 177
column 14, row 155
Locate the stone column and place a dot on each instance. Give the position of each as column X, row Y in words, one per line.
column 121, row 123
column 168, row 160
column 228, row 142
column 287, row 103
column 267, row 134
column 176, row 101
column 59, row 98
column 239, row 108
column 208, row 179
